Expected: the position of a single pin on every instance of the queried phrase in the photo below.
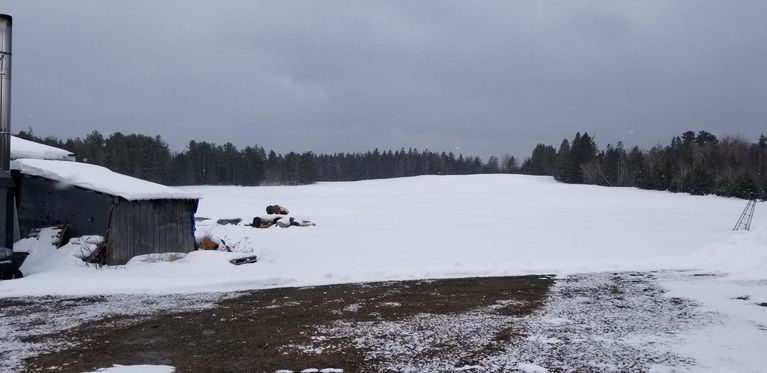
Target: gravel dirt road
(595, 322)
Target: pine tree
(565, 164)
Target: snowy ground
(462, 226)
(597, 322)
(734, 340)
(432, 227)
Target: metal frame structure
(744, 222)
(6, 182)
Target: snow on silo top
(21, 148)
(99, 179)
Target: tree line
(205, 163)
(696, 163)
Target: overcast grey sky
(474, 77)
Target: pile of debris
(217, 236)
(281, 212)
(280, 220)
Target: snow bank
(100, 179)
(743, 255)
(735, 342)
(44, 256)
(21, 148)
(428, 227)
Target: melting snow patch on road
(531, 368)
(607, 322)
(137, 369)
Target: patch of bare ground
(599, 322)
(268, 330)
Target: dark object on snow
(763, 304)
(228, 221)
(292, 222)
(245, 260)
(259, 222)
(10, 262)
(276, 209)
(207, 244)
(744, 222)
(200, 218)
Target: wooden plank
(117, 244)
(138, 226)
(191, 209)
(155, 209)
(168, 220)
(123, 233)
(160, 206)
(111, 233)
(160, 230)
(152, 231)
(147, 231)
(142, 231)
(180, 233)
(135, 219)
(125, 236)
(186, 226)
(129, 240)
(184, 234)
(174, 229)
(130, 217)
(167, 226)
(116, 234)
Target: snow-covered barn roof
(21, 148)
(99, 179)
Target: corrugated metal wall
(153, 226)
(43, 203)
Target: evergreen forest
(694, 162)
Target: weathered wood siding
(153, 226)
(43, 203)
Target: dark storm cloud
(474, 77)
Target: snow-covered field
(431, 227)
(463, 226)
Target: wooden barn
(136, 217)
